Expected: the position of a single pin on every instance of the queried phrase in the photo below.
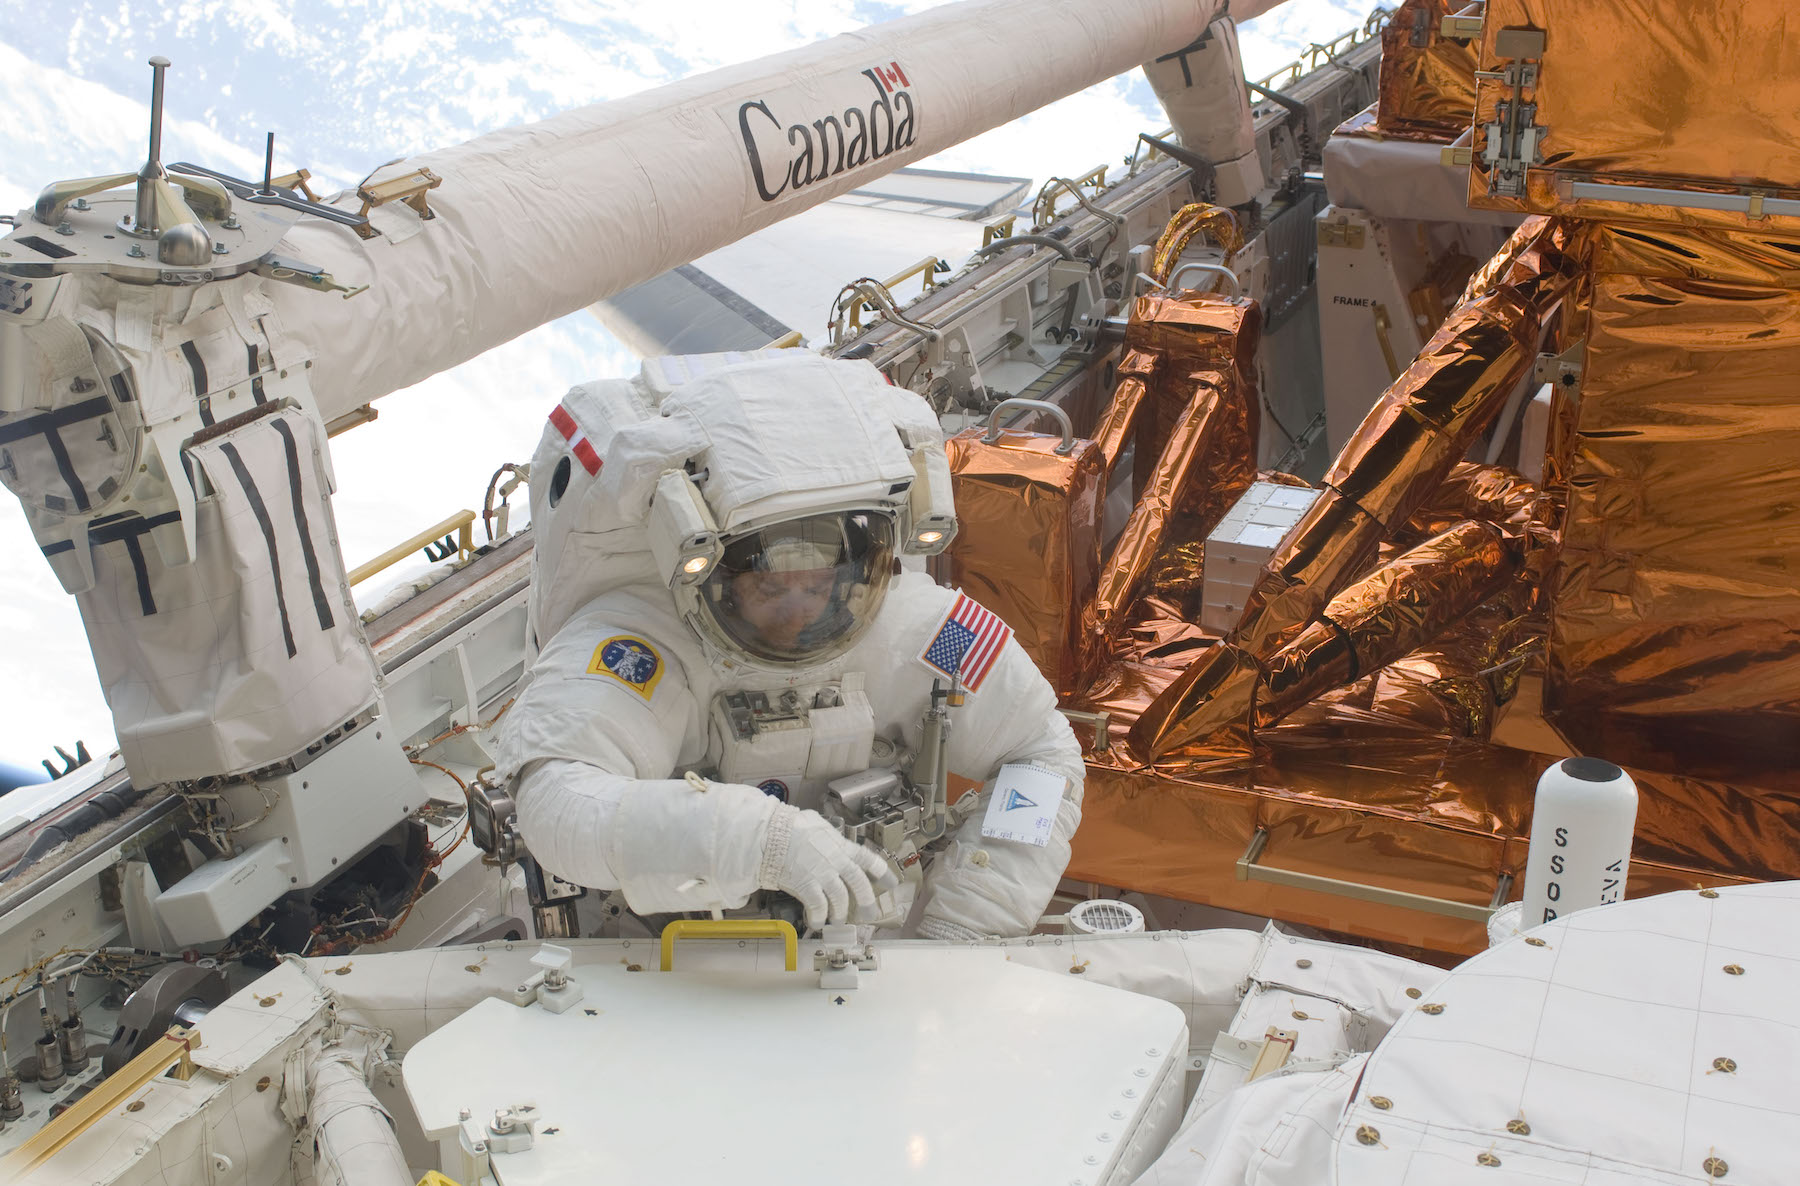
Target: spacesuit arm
(981, 887)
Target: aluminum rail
(534, 222)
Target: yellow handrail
(998, 230)
(465, 543)
(929, 266)
(731, 928)
(169, 1050)
(786, 341)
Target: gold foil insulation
(1183, 459)
(1216, 222)
(1699, 97)
(1028, 543)
(1675, 633)
(1654, 570)
(1427, 84)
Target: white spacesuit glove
(803, 855)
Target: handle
(1249, 870)
(730, 928)
(1068, 430)
(1230, 277)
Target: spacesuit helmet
(800, 591)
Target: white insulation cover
(538, 221)
(1650, 1042)
(251, 652)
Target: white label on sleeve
(1023, 805)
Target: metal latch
(1514, 139)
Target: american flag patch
(967, 643)
(577, 438)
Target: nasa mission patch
(631, 661)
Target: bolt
(463, 1113)
(231, 223)
(1534, 941)
(135, 252)
(262, 1084)
(1414, 993)
(1303, 963)
(1518, 1128)
(1715, 1167)
(1734, 969)
(1380, 1101)
(1432, 1008)
(1368, 1135)
(135, 1106)
(1487, 1159)
(79, 204)
(221, 249)
(1727, 1065)
(1299, 1016)
(1709, 893)
(63, 228)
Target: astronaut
(733, 615)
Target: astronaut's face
(781, 605)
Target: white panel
(1604, 1032)
(931, 1071)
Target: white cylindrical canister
(1581, 828)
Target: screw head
(1299, 1016)
(1734, 969)
(1432, 1007)
(1487, 1159)
(1414, 993)
(1369, 1135)
(135, 1106)
(1727, 1065)
(1518, 1128)
(1303, 963)
(1715, 1167)
(1709, 893)
(1380, 1101)
(1534, 941)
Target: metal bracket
(1562, 371)
(1464, 25)
(1249, 870)
(1341, 232)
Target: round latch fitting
(1487, 1159)
(1715, 1167)
(1369, 1135)
(1431, 1007)
(1414, 993)
(1727, 1065)
(1380, 1101)
(1518, 1128)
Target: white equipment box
(945, 1065)
(1242, 543)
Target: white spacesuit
(728, 629)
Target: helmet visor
(803, 590)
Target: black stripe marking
(306, 545)
(87, 409)
(66, 468)
(197, 365)
(268, 529)
(122, 389)
(146, 600)
(110, 529)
